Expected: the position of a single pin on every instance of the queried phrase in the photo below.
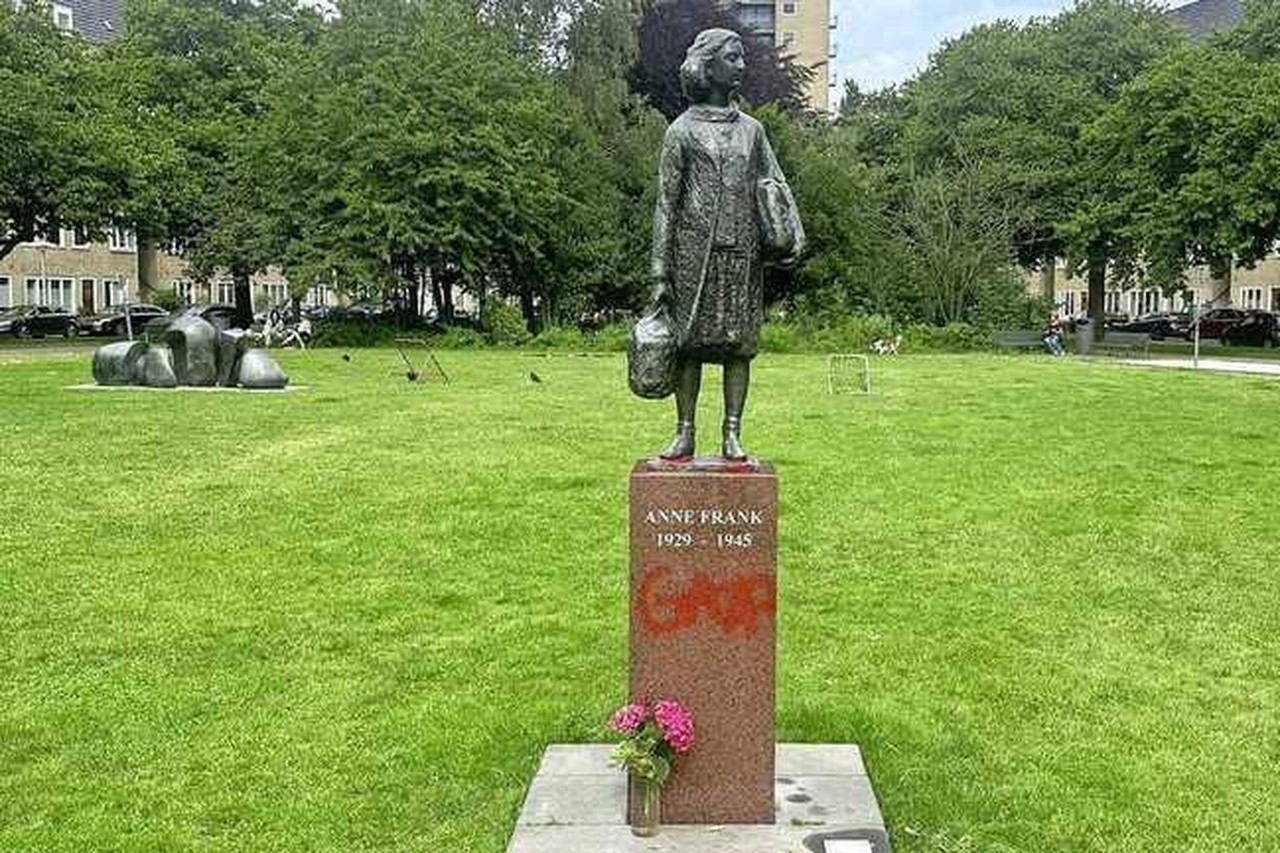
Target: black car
(1258, 329)
(1158, 326)
(25, 321)
(1216, 323)
(112, 320)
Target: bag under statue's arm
(670, 183)
(778, 212)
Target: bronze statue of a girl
(723, 211)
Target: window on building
(1148, 302)
(54, 292)
(275, 293)
(113, 291)
(789, 6)
(1113, 303)
(1068, 303)
(227, 292)
(1275, 299)
(80, 237)
(322, 295)
(788, 39)
(63, 17)
(1251, 298)
(49, 235)
(5, 298)
(186, 291)
(121, 240)
(759, 19)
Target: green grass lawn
(1042, 595)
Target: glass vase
(648, 807)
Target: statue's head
(713, 61)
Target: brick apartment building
(803, 28)
(64, 269)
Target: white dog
(887, 346)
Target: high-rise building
(96, 20)
(803, 28)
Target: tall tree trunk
(1049, 279)
(437, 297)
(148, 268)
(244, 297)
(411, 313)
(526, 309)
(1097, 290)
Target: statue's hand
(660, 297)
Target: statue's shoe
(681, 446)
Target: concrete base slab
(198, 389)
(824, 803)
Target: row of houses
(1249, 289)
(66, 269)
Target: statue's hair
(693, 71)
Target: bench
(1019, 339)
(1124, 343)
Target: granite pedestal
(821, 802)
(703, 602)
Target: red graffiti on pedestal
(669, 604)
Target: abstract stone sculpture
(232, 344)
(259, 370)
(194, 352)
(119, 363)
(193, 341)
(157, 367)
(724, 210)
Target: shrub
(355, 333)
(503, 325)
(956, 337)
(166, 298)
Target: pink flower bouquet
(653, 735)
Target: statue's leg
(690, 381)
(737, 379)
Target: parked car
(25, 321)
(1158, 326)
(1259, 329)
(1110, 321)
(1215, 323)
(112, 320)
(221, 316)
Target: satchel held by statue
(651, 356)
(780, 231)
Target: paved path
(1219, 365)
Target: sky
(886, 41)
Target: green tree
(193, 74)
(413, 145)
(1258, 36)
(1189, 158)
(66, 157)
(1018, 100)
(668, 27)
(601, 47)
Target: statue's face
(727, 66)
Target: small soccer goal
(406, 346)
(848, 374)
